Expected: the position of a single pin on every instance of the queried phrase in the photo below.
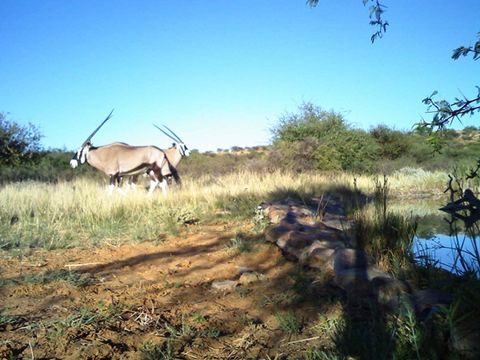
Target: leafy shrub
(311, 121)
(315, 139)
(18, 144)
(392, 143)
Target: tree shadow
(363, 330)
(364, 333)
(336, 199)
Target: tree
(314, 139)
(392, 143)
(310, 121)
(18, 144)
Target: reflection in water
(457, 253)
(447, 238)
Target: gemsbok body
(120, 159)
(174, 154)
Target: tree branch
(376, 16)
(445, 112)
(464, 51)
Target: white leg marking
(153, 185)
(164, 186)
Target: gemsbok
(120, 159)
(174, 154)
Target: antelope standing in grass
(119, 159)
(173, 154)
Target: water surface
(441, 239)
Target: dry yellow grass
(83, 213)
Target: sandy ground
(164, 300)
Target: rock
(353, 280)
(349, 258)
(292, 211)
(290, 218)
(282, 241)
(250, 277)
(334, 208)
(430, 297)
(298, 240)
(224, 285)
(390, 292)
(302, 211)
(352, 271)
(339, 222)
(276, 212)
(320, 254)
(322, 245)
(274, 232)
(358, 280)
(299, 244)
(319, 258)
(427, 300)
(326, 244)
(244, 269)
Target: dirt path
(160, 301)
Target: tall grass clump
(81, 213)
(416, 181)
(386, 236)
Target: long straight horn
(98, 128)
(178, 138)
(170, 136)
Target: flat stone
(335, 208)
(358, 279)
(432, 297)
(338, 222)
(276, 212)
(319, 258)
(224, 285)
(244, 269)
(353, 280)
(274, 232)
(427, 299)
(302, 211)
(250, 278)
(390, 292)
(299, 240)
(282, 241)
(326, 244)
(350, 258)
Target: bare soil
(156, 301)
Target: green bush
(315, 139)
(392, 143)
(18, 144)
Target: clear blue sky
(220, 73)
